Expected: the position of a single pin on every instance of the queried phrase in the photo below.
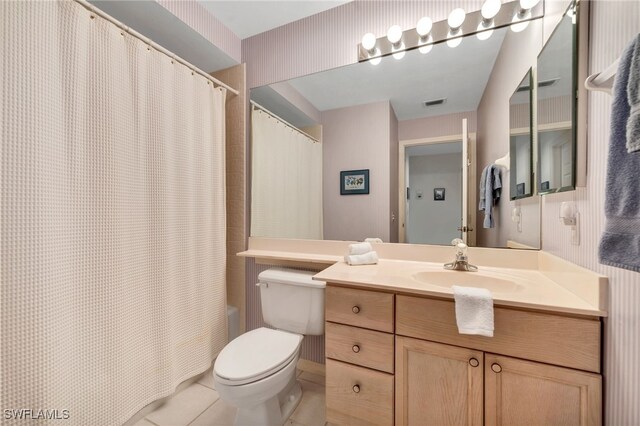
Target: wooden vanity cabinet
(413, 366)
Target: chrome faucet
(461, 263)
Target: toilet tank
(292, 301)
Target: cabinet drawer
(362, 308)
(367, 348)
(553, 339)
(358, 396)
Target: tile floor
(200, 405)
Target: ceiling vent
(435, 102)
(544, 83)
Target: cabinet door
(437, 384)
(523, 393)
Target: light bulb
(490, 9)
(375, 61)
(453, 42)
(483, 31)
(368, 41)
(394, 34)
(425, 49)
(519, 26)
(528, 4)
(456, 18)
(423, 28)
(399, 52)
(520, 21)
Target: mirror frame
(532, 175)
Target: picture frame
(438, 194)
(354, 182)
(520, 189)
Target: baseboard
(311, 367)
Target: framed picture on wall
(354, 182)
(438, 194)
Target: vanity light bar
(508, 14)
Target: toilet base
(275, 411)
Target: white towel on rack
(474, 310)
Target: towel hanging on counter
(620, 243)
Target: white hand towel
(373, 240)
(474, 310)
(370, 258)
(360, 248)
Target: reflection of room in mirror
(367, 113)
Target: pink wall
(613, 24)
(433, 127)
(357, 138)
(197, 17)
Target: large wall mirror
(557, 83)
(396, 150)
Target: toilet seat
(255, 355)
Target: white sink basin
(468, 279)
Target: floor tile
(207, 380)
(144, 422)
(184, 407)
(310, 411)
(219, 414)
(310, 377)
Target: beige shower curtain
(113, 218)
(286, 181)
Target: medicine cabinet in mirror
(521, 140)
(561, 105)
(381, 150)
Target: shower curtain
(286, 181)
(113, 218)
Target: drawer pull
(356, 388)
(496, 368)
(474, 362)
(355, 309)
(356, 348)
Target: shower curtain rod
(156, 46)
(260, 107)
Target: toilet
(256, 372)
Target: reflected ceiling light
(520, 21)
(400, 52)
(369, 43)
(394, 35)
(423, 28)
(428, 45)
(454, 42)
(484, 32)
(375, 61)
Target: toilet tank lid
(291, 277)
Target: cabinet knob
(496, 368)
(356, 348)
(356, 388)
(355, 309)
(474, 362)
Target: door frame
(402, 187)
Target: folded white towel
(360, 248)
(474, 310)
(373, 240)
(370, 258)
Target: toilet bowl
(256, 372)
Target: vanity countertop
(524, 288)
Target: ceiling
(247, 18)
